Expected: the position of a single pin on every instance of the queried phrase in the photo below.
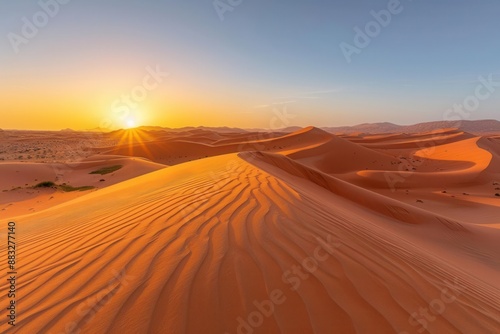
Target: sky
(84, 64)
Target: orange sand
(221, 232)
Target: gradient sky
(265, 60)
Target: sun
(130, 123)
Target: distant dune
(207, 231)
(476, 127)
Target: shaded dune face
(338, 156)
(369, 199)
(289, 233)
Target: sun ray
(132, 140)
(140, 142)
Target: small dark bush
(46, 184)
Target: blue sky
(264, 55)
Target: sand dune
(368, 199)
(174, 151)
(479, 127)
(294, 237)
(339, 155)
(420, 141)
(19, 195)
(461, 162)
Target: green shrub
(63, 187)
(67, 188)
(107, 170)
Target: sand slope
(244, 232)
(193, 248)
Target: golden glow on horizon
(92, 104)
